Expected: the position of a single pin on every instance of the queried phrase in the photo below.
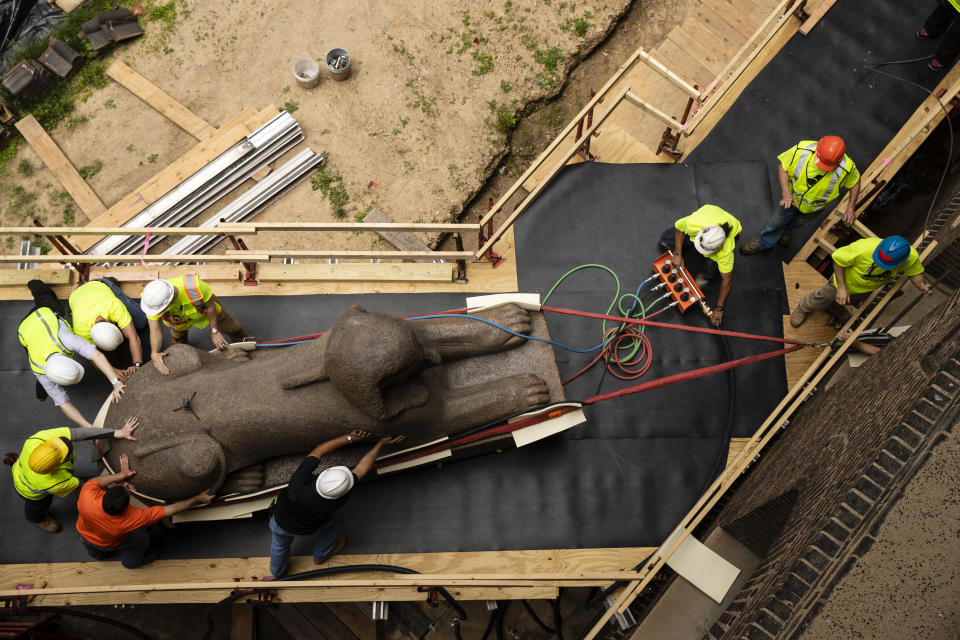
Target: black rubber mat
(819, 85)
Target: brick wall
(828, 471)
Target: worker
(859, 268)
(182, 303)
(943, 22)
(108, 524)
(810, 175)
(310, 505)
(44, 467)
(104, 315)
(713, 233)
(51, 344)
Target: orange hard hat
(830, 150)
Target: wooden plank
(672, 77)
(616, 145)
(92, 257)
(711, 58)
(129, 231)
(60, 166)
(652, 110)
(68, 5)
(207, 272)
(691, 68)
(736, 446)
(168, 178)
(714, 22)
(19, 277)
(159, 100)
(732, 14)
(357, 272)
(816, 15)
(716, 41)
(429, 254)
(379, 223)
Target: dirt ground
(416, 131)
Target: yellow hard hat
(48, 456)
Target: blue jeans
(131, 550)
(37, 510)
(280, 543)
(139, 317)
(783, 218)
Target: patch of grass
(91, 169)
(286, 89)
(152, 158)
(420, 101)
(330, 184)
(291, 105)
(401, 50)
(360, 216)
(484, 63)
(25, 168)
(20, 203)
(9, 152)
(110, 104)
(505, 86)
(503, 117)
(578, 26)
(130, 147)
(64, 202)
(548, 58)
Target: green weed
(25, 168)
(291, 105)
(91, 169)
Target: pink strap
(23, 587)
(146, 245)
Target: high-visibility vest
(38, 333)
(810, 198)
(956, 4)
(186, 308)
(36, 486)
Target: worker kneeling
(859, 268)
(108, 524)
(183, 303)
(104, 315)
(310, 505)
(714, 233)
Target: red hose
(690, 375)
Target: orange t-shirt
(100, 528)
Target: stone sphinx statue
(214, 417)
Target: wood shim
(61, 167)
(816, 15)
(400, 239)
(357, 272)
(159, 100)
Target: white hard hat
(106, 336)
(710, 239)
(156, 297)
(334, 482)
(63, 370)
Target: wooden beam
(159, 100)
(674, 79)
(202, 257)
(60, 166)
(816, 15)
(358, 226)
(350, 255)
(357, 272)
(19, 277)
(652, 110)
(128, 231)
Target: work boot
(49, 524)
(798, 317)
(751, 247)
(785, 238)
(337, 548)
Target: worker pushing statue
(371, 371)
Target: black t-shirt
(300, 509)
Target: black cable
(500, 618)
(208, 616)
(557, 618)
(92, 616)
(456, 630)
(490, 622)
(540, 623)
(873, 66)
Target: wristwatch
(115, 381)
(137, 364)
(214, 330)
(349, 437)
(718, 307)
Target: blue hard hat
(891, 252)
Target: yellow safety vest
(810, 198)
(956, 4)
(36, 486)
(186, 309)
(38, 333)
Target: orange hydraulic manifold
(680, 284)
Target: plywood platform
(800, 279)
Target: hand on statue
(358, 436)
(392, 440)
(843, 297)
(203, 498)
(117, 392)
(125, 469)
(157, 359)
(219, 341)
(129, 371)
(127, 429)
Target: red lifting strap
(690, 375)
(667, 325)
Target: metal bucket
(307, 72)
(338, 63)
